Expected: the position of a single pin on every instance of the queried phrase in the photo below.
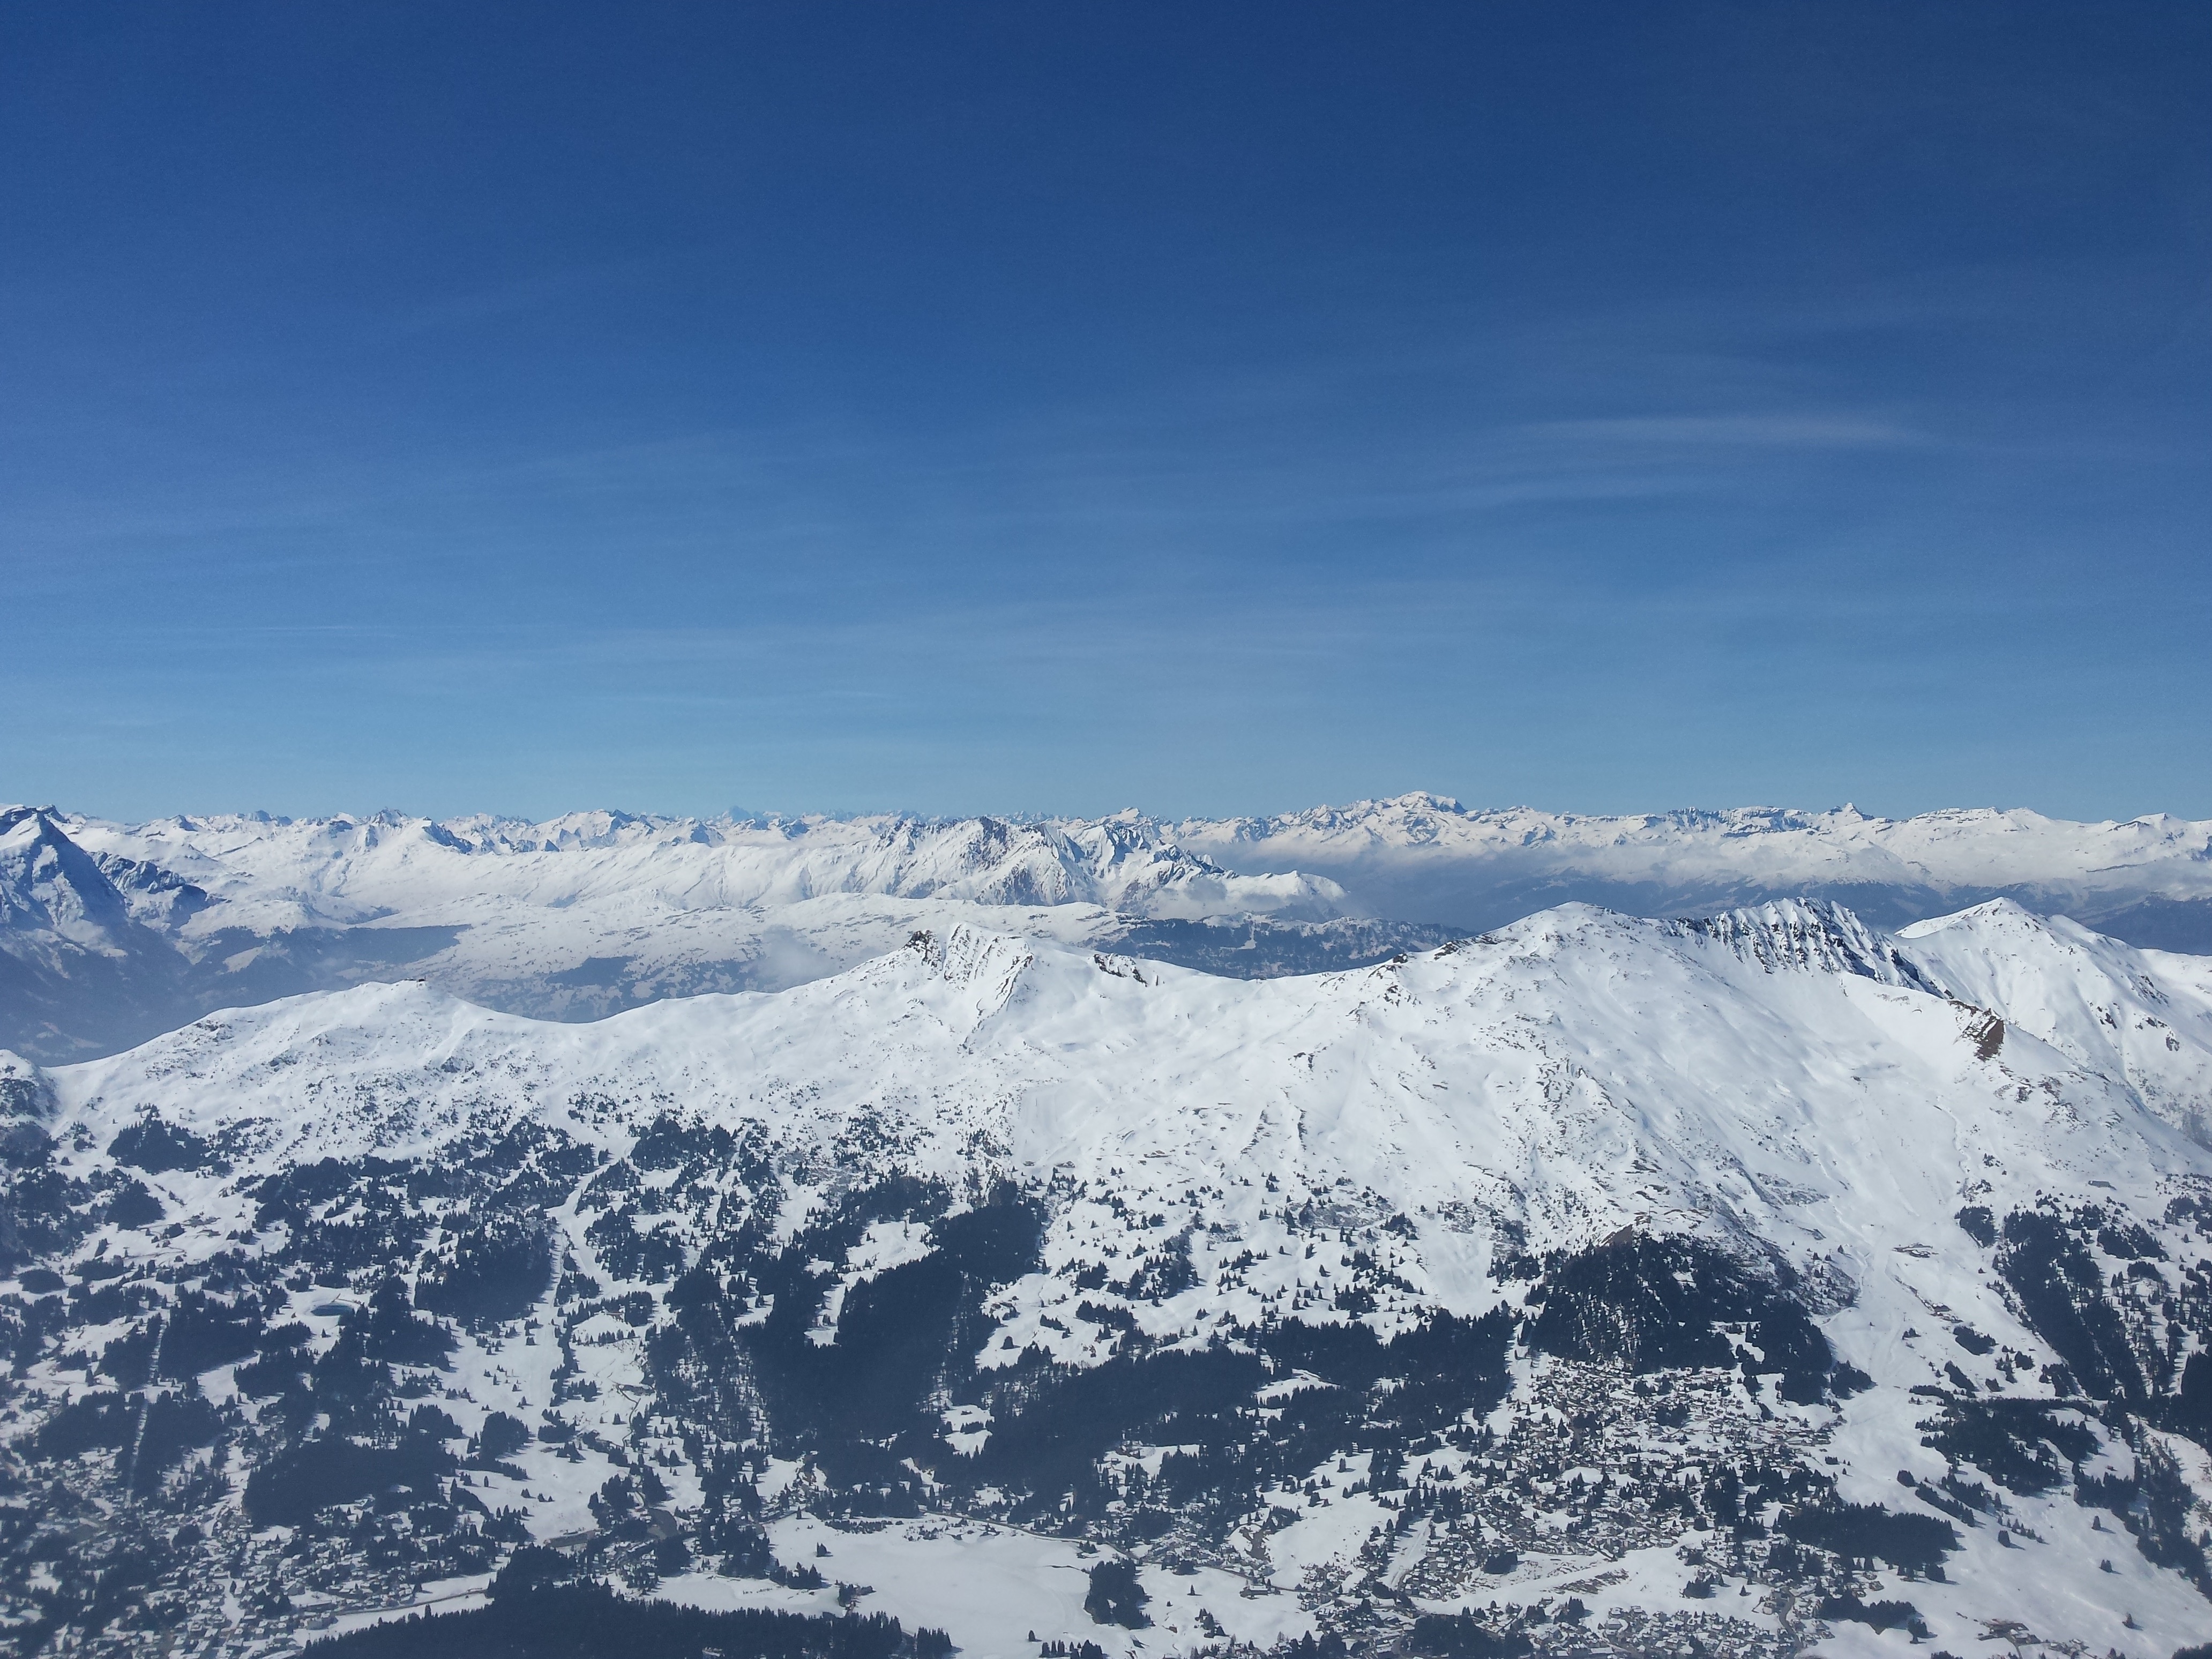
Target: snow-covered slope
(1748, 1220)
(1577, 1073)
(2140, 1015)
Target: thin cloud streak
(1804, 431)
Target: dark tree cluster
(557, 1620)
(1655, 1304)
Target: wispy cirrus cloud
(1803, 431)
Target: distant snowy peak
(1967, 847)
(570, 831)
(344, 870)
(577, 916)
(110, 933)
(1417, 857)
(82, 969)
(49, 889)
(1425, 856)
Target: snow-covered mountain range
(110, 933)
(1768, 1282)
(2147, 880)
(113, 933)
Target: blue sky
(1209, 408)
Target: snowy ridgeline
(1768, 1283)
(109, 934)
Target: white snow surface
(2133, 1014)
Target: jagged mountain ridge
(280, 874)
(1163, 869)
(591, 913)
(1576, 972)
(584, 914)
(1860, 1144)
(2147, 880)
(75, 955)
